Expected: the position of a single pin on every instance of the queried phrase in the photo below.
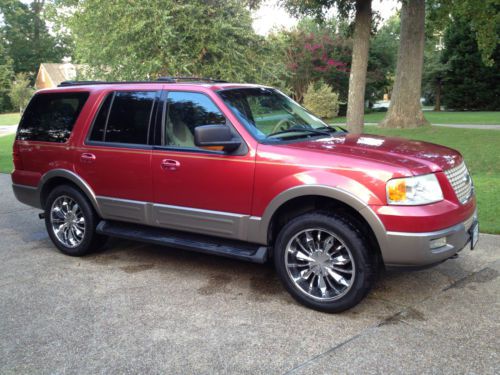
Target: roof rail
(160, 79)
(84, 83)
(196, 79)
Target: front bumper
(405, 249)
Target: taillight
(16, 157)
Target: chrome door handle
(87, 157)
(170, 165)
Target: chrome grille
(461, 182)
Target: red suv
(240, 171)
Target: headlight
(416, 190)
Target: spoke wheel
(324, 261)
(68, 221)
(320, 265)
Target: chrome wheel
(319, 264)
(68, 222)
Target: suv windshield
(270, 115)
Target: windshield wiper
(332, 129)
(299, 130)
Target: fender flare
(74, 178)
(259, 232)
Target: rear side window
(124, 117)
(51, 117)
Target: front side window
(51, 117)
(184, 112)
(124, 117)
(270, 115)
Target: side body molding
(259, 227)
(73, 177)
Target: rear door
(115, 158)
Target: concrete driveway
(144, 309)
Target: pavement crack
(482, 276)
(331, 350)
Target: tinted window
(51, 117)
(100, 120)
(128, 120)
(186, 111)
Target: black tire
(91, 241)
(356, 247)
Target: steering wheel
(283, 124)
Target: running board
(186, 241)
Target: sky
(270, 15)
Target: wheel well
(53, 183)
(301, 205)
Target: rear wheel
(324, 262)
(71, 222)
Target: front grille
(461, 182)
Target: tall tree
(434, 71)
(361, 44)
(483, 17)
(468, 83)
(405, 110)
(6, 77)
(125, 39)
(26, 37)
(359, 66)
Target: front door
(199, 190)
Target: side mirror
(215, 137)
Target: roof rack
(189, 79)
(160, 79)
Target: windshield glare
(269, 114)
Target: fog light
(438, 242)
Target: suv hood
(418, 156)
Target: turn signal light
(396, 190)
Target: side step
(186, 241)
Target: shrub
(321, 100)
(20, 91)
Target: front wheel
(324, 262)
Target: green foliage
(124, 39)
(321, 100)
(382, 60)
(468, 83)
(20, 91)
(26, 37)
(6, 76)
(483, 19)
(311, 53)
(319, 8)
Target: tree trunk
(357, 78)
(437, 97)
(405, 110)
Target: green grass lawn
(9, 118)
(6, 153)
(482, 118)
(479, 147)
